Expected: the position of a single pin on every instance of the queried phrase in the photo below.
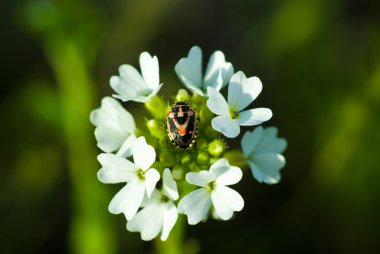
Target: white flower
(217, 75)
(159, 212)
(132, 86)
(262, 150)
(242, 91)
(139, 176)
(115, 127)
(214, 190)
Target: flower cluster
(163, 178)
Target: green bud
(167, 157)
(186, 159)
(178, 173)
(156, 128)
(205, 114)
(202, 144)
(216, 147)
(210, 133)
(203, 159)
(182, 95)
(157, 107)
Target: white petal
(191, 85)
(107, 113)
(129, 85)
(224, 124)
(266, 167)
(217, 64)
(148, 221)
(144, 155)
(270, 143)
(115, 169)
(190, 68)
(109, 139)
(226, 201)
(250, 140)
(154, 199)
(126, 148)
(169, 185)
(195, 205)
(216, 102)
(243, 91)
(227, 175)
(254, 116)
(170, 218)
(110, 132)
(151, 178)
(150, 70)
(201, 178)
(152, 94)
(128, 199)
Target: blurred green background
(319, 62)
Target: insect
(182, 125)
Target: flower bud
(216, 147)
(156, 128)
(186, 159)
(157, 107)
(202, 159)
(182, 95)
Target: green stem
(90, 231)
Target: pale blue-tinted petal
(144, 155)
(254, 116)
(150, 70)
(242, 91)
(126, 148)
(169, 185)
(250, 140)
(115, 169)
(226, 201)
(217, 65)
(224, 124)
(270, 143)
(195, 205)
(201, 178)
(266, 167)
(216, 102)
(190, 67)
(151, 178)
(170, 218)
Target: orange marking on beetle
(181, 131)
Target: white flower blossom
(214, 190)
(115, 127)
(159, 213)
(139, 176)
(262, 150)
(217, 75)
(242, 91)
(133, 86)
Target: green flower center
(164, 199)
(212, 185)
(234, 114)
(141, 174)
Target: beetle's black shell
(182, 125)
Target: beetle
(182, 125)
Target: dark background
(319, 62)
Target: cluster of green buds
(164, 179)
